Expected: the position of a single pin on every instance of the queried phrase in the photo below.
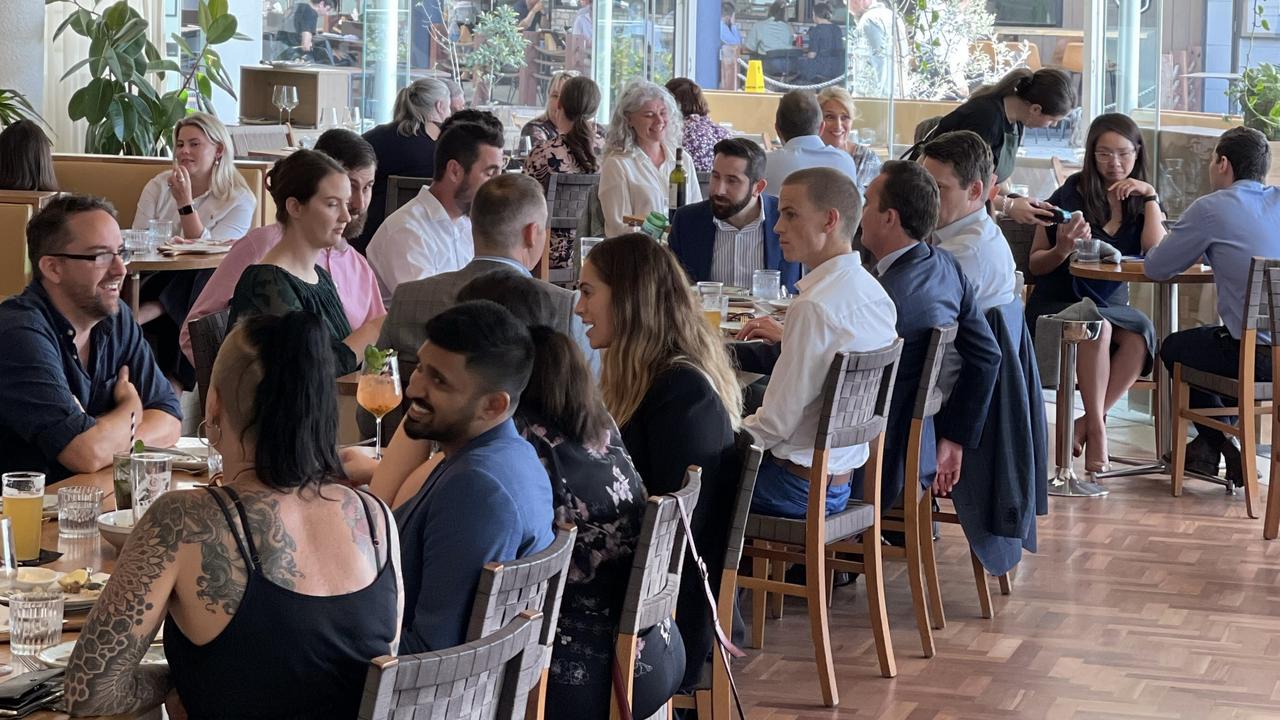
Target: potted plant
(14, 106)
(499, 45)
(1258, 92)
(125, 112)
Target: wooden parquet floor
(1138, 605)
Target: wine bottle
(678, 182)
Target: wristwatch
(186, 210)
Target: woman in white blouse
(640, 152)
(206, 199)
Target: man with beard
(357, 286)
(731, 235)
(488, 500)
(431, 233)
(77, 379)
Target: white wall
(23, 23)
(236, 53)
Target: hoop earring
(200, 433)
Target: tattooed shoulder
(276, 547)
(353, 513)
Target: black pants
(1211, 349)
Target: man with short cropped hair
(489, 500)
(1229, 226)
(431, 233)
(840, 308)
(797, 121)
(356, 283)
(77, 380)
(508, 231)
(730, 235)
(960, 163)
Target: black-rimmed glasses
(102, 259)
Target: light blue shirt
(730, 34)
(1230, 227)
(806, 151)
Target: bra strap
(244, 523)
(231, 524)
(373, 529)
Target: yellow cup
(755, 77)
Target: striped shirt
(738, 253)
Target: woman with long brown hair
(1121, 208)
(28, 158)
(668, 381)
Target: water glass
(122, 479)
(160, 232)
(331, 117)
(137, 242)
(1087, 250)
(78, 509)
(24, 506)
(584, 247)
(766, 284)
(151, 475)
(35, 620)
(354, 120)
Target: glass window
(1047, 13)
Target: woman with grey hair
(405, 146)
(640, 152)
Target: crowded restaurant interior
(480, 359)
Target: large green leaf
(116, 16)
(204, 85)
(115, 119)
(222, 29)
(82, 22)
(97, 62)
(163, 66)
(203, 15)
(132, 30)
(117, 67)
(90, 102)
(74, 68)
(182, 44)
(217, 8)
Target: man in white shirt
(431, 233)
(798, 120)
(840, 308)
(960, 162)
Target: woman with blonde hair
(668, 381)
(552, 122)
(205, 198)
(640, 152)
(838, 114)
(406, 146)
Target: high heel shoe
(1078, 433)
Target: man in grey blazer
(508, 227)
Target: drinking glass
(159, 232)
(525, 147)
(766, 284)
(584, 247)
(122, 479)
(78, 510)
(867, 136)
(8, 569)
(1087, 250)
(23, 505)
(715, 304)
(35, 621)
(137, 242)
(151, 475)
(354, 120)
(378, 391)
(331, 118)
(285, 98)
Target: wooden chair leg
(759, 599)
(778, 571)
(1271, 526)
(536, 709)
(705, 707)
(625, 652)
(1006, 583)
(915, 571)
(929, 560)
(1181, 399)
(1249, 457)
(873, 569)
(984, 592)
(815, 572)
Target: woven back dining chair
(568, 199)
(484, 679)
(207, 334)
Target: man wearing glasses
(76, 376)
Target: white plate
(72, 602)
(779, 305)
(58, 655)
(189, 454)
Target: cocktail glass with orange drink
(378, 390)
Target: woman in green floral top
(311, 191)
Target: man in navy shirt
(489, 500)
(75, 372)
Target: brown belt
(802, 471)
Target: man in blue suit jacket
(489, 500)
(929, 290)
(730, 235)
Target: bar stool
(1065, 482)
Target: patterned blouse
(868, 164)
(539, 130)
(552, 157)
(700, 138)
(595, 488)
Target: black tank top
(285, 654)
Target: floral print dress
(596, 488)
(699, 141)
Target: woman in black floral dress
(575, 152)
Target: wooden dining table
(93, 552)
(156, 263)
(1164, 315)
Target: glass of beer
(714, 303)
(23, 504)
(379, 392)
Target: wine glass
(285, 98)
(378, 391)
(354, 123)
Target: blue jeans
(784, 494)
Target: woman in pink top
(357, 285)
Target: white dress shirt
(806, 151)
(417, 241)
(840, 308)
(223, 218)
(630, 184)
(738, 253)
(982, 251)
